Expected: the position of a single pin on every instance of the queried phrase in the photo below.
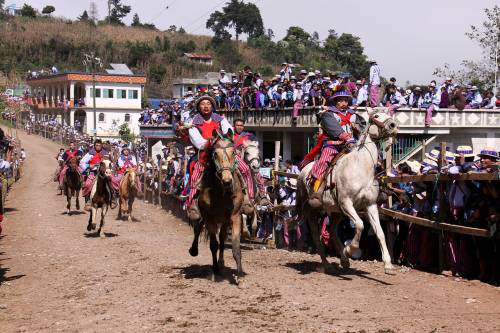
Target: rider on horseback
(89, 165)
(336, 125)
(239, 138)
(65, 157)
(201, 131)
(125, 161)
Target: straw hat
(415, 166)
(149, 166)
(433, 155)
(489, 152)
(464, 150)
(428, 163)
(292, 183)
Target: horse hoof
(345, 263)
(347, 252)
(193, 252)
(102, 234)
(89, 227)
(93, 226)
(390, 270)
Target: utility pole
(91, 62)
(110, 3)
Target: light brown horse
(128, 193)
(100, 197)
(220, 200)
(72, 183)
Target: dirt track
(54, 278)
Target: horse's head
(131, 172)
(73, 163)
(381, 126)
(105, 168)
(252, 154)
(224, 158)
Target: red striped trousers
(327, 156)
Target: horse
(356, 188)
(72, 183)
(220, 200)
(100, 196)
(128, 193)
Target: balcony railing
(47, 103)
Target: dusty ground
(141, 278)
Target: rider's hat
(205, 97)
(341, 93)
(125, 147)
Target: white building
(181, 86)
(69, 97)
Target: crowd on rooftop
(296, 89)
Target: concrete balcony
(410, 120)
(49, 104)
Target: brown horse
(72, 183)
(128, 192)
(220, 201)
(100, 196)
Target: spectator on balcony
(278, 100)
(392, 99)
(315, 97)
(374, 83)
(457, 99)
(431, 102)
(475, 98)
(285, 72)
(445, 98)
(362, 94)
(223, 78)
(298, 96)
(489, 100)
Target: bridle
(218, 167)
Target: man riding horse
(201, 132)
(89, 164)
(336, 123)
(125, 161)
(239, 138)
(65, 157)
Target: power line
(164, 10)
(202, 16)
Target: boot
(316, 199)
(247, 206)
(262, 199)
(193, 212)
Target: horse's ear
(370, 111)
(230, 134)
(214, 134)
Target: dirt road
(54, 278)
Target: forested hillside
(34, 42)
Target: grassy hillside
(32, 44)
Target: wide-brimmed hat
(125, 147)
(303, 71)
(149, 165)
(341, 93)
(205, 97)
(359, 82)
(415, 166)
(292, 183)
(464, 150)
(450, 157)
(428, 163)
(432, 84)
(473, 88)
(433, 155)
(418, 89)
(488, 152)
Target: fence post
(159, 183)
(443, 210)
(277, 148)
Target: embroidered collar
(198, 119)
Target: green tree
(84, 17)
(181, 30)
(118, 12)
(48, 10)
(172, 28)
(136, 22)
(28, 11)
(125, 133)
(237, 15)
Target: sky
(409, 39)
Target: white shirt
(4, 165)
(362, 95)
(375, 75)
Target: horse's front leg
(77, 198)
(235, 240)
(101, 232)
(350, 212)
(222, 241)
(214, 247)
(130, 203)
(68, 199)
(344, 259)
(373, 218)
(89, 225)
(197, 227)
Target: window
(101, 116)
(121, 93)
(97, 92)
(133, 94)
(127, 117)
(108, 93)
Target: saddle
(330, 179)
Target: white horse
(356, 188)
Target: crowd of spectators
(296, 89)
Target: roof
(82, 76)
(119, 69)
(198, 56)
